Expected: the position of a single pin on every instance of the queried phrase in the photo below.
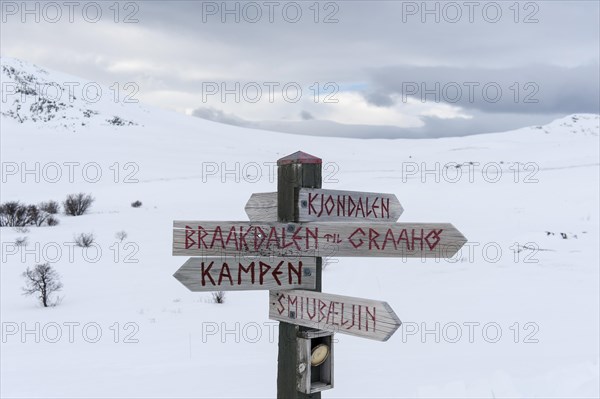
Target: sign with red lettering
(252, 273)
(329, 205)
(342, 314)
(336, 205)
(410, 240)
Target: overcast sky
(349, 68)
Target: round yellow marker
(319, 354)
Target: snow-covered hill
(31, 94)
(527, 200)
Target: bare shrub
(21, 241)
(42, 281)
(52, 221)
(84, 240)
(51, 207)
(77, 204)
(121, 235)
(14, 213)
(218, 297)
(136, 204)
(36, 216)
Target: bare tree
(43, 281)
(77, 204)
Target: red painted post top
(299, 157)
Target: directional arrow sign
(328, 205)
(354, 316)
(262, 207)
(414, 240)
(337, 206)
(237, 274)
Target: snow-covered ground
(513, 189)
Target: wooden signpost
(354, 316)
(262, 207)
(238, 274)
(281, 250)
(329, 205)
(413, 240)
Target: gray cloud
(433, 127)
(216, 115)
(305, 115)
(536, 89)
(380, 98)
(374, 45)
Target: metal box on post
(315, 361)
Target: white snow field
(498, 320)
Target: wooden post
(298, 170)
